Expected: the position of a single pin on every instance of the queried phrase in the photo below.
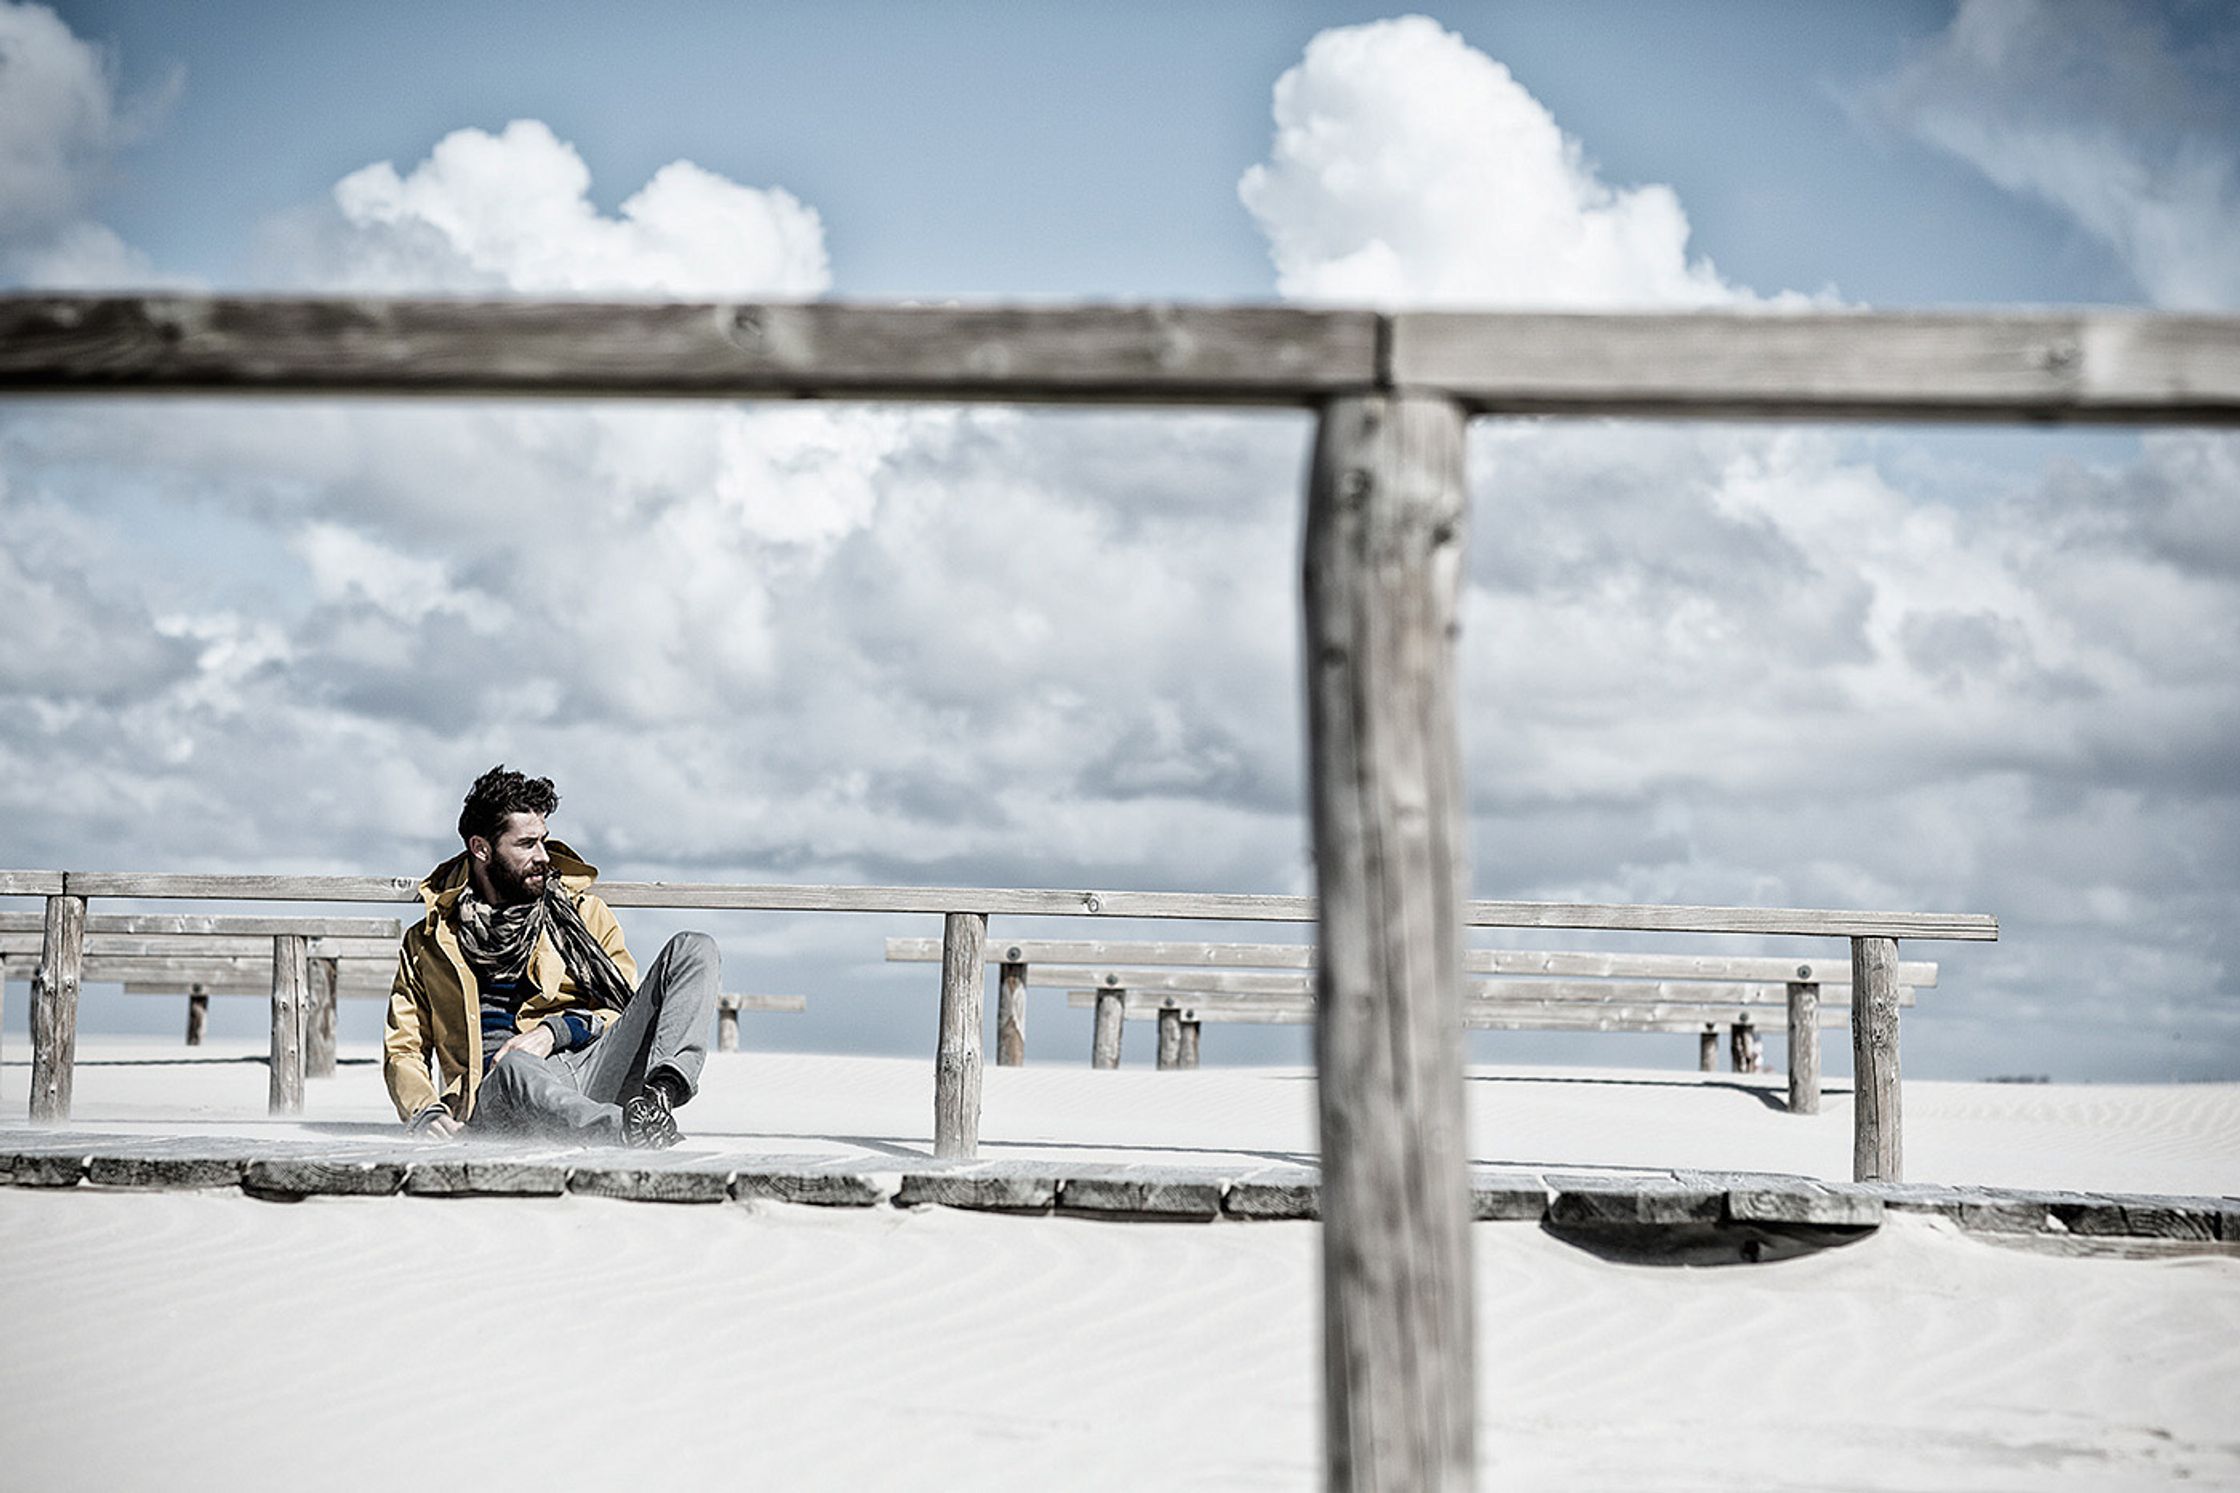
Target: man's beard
(513, 888)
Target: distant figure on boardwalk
(518, 982)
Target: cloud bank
(986, 646)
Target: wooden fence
(1385, 513)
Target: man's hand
(442, 1127)
(537, 1042)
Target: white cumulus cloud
(1409, 168)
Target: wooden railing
(1386, 502)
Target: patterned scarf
(500, 942)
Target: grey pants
(579, 1095)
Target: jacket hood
(439, 889)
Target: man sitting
(518, 982)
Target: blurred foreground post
(1382, 567)
(198, 1014)
(54, 1007)
(1875, 1155)
(956, 1062)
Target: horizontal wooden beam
(1301, 986)
(31, 884)
(1031, 951)
(1203, 906)
(2106, 367)
(2092, 366)
(1488, 1016)
(196, 946)
(193, 925)
(1250, 355)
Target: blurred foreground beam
(2118, 367)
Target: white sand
(210, 1340)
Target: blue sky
(1047, 149)
(1964, 670)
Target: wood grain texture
(54, 1008)
(1254, 355)
(284, 1094)
(1186, 1055)
(1877, 1154)
(1011, 1015)
(1804, 1047)
(192, 945)
(2097, 367)
(956, 1071)
(1381, 567)
(319, 1017)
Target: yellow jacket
(435, 1004)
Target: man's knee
(693, 950)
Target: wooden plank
(1478, 1015)
(191, 946)
(54, 1009)
(1719, 993)
(1201, 906)
(198, 1015)
(1114, 952)
(727, 1023)
(318, 1016)
(284, 1094)
(1804, 1047)
(212, 969)
(2110, 367)
(235, 887)
(1876, 1151)
(1707, 1050)
(172, 924)
(1187, 1057)
(1011, 1015)
(30, 883)
(956, 1073)
(1251, 355)
(1385, 504)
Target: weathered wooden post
(1112, 1021)
(1189, 1055)
(1170, 1036)
(198, 1014)
(1876, 1152)
(1804, 1045)
(54, 1007)
(1707, 1048)
(727, 1023)
(319, 1018)
(956, 1068)
(1744, 1051)
(1011, 1014)
(1382, 567)
(285, 1093)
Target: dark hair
(498, 793)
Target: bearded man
(517, 983)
